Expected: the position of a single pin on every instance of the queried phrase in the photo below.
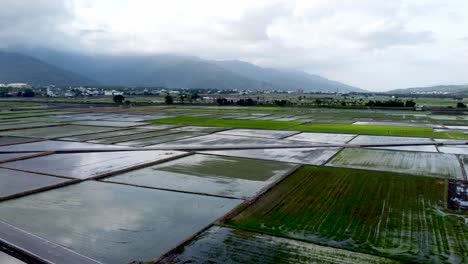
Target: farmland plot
(454, 149)
(328, 138)
(364, 139)
(207, 174)
(86, 165)
(103, 135)
(12, 182)
(26, 125)
(199, 129)
(7, 259)
(57, 131)
(369, 140)
(275, 134)
(392, 215)
(113, 223)
(226, 245)
(158, 127)
(109, 123)
(134, 136)
(418, 163)
(312, 156)
(15, 140)
(160, 139)
(400, 124)
(458, 196)
(13, 156)
(223, 140)
(55, 145)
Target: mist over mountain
(285, 79)
(177, 71)
(16, 67)
(451, 89)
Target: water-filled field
(418, 163)
(114, 223)
(87, 165)
(312, 156)
(223, 176)
(226, 245)
(112, 185)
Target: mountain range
(43, 66)
(451, 89)
(16, 68)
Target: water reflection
(114, 223)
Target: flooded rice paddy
(114, 223)
(106, 192)
(87, 165)
(223, 176)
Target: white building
(18, 85)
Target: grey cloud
(37, 22)
(253, 25)
(394, 35)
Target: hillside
(451, 89)
(284, 79)
(186, 72)
(15, 67)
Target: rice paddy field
(355, 209)
(202, 184)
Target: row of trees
(6, 92)
(391, 103)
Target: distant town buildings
(18, 85)
(112, 92)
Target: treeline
(391, 103)
(251, 102)
(8, 92)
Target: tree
(168, 99)
(28, 93)
(410, 103)
(182, 98)
(222, 101)
(318, 101)
(281, 102)
(461, 105)
(118, 99)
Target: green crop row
(393, 215)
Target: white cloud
(374, 44)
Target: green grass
(378, 130)
(393, 215)
(4, 104)
(231, 123)
(323, 128)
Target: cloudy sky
(373, 44)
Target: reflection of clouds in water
(208, 174)
(7, 259)
(314, 156)
(114, 223)
(83, 165)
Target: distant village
(13, 89)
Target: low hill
(439, 89)
(15, 67)
(286, 79)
